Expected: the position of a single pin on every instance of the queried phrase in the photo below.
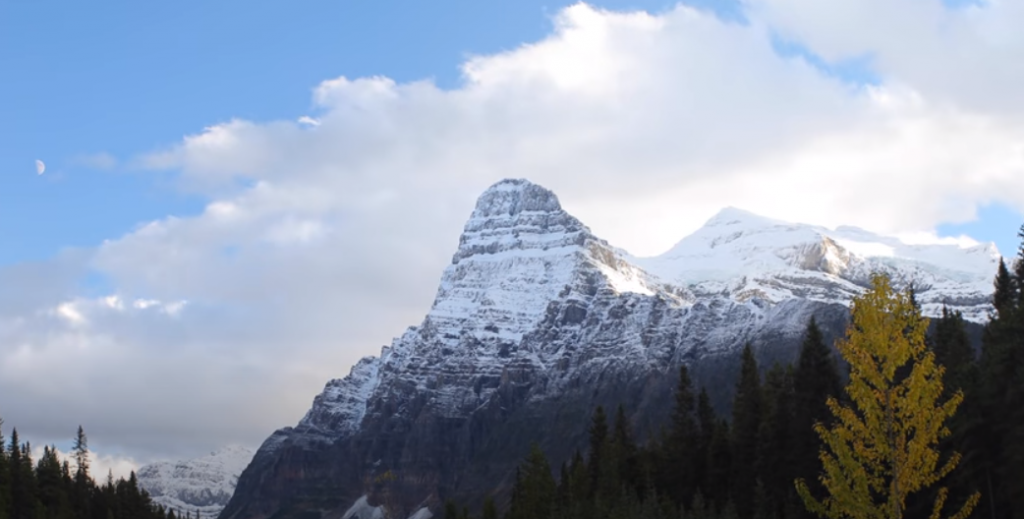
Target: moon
(40, 167)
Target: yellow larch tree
(884, 445)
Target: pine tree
(1004, 297)
(52, 490)
(5, 478)
(82, 481)
(1018, 269)
(623, 469)
(720, 459)
(706, 421)
(537, 489)
(815, 380)
(775, 465)
(746, 420)
(451, 510)
(999, 431)
(490, 509)
(682, 444)
(598, 446)
(953, 350)
(883, 448)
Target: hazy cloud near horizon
(323, 241)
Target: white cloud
(100, 465)
(322, 241)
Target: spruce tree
(598, 447)
(1000, 388)
(490, 509)
(775, 465)
(537, 488)
(706, 421)
(720, 461)
(746, 421)
(1004, 297)
(5, 478)
(624, 467)
(815, 380)
(953, 349)
(82, 481)
(882, 447)
(682, 444)
(451, 510)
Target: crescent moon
(40, 167)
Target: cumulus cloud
(323, 240)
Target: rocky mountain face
(202, 485)
(537, 321)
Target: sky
(242, 198)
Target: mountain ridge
(204, 484)
(536, 320)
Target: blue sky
(123, 78)
(126, 77)
(175, 159)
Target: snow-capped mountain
(536, 320)
(746, 256)
(202, 485)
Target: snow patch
(362, 510)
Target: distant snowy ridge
(202, 485)
(745, 255)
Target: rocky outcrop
(536, 321)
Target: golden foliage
(884, 446)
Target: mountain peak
(511, 197)
(736, 216)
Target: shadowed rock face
(536, 322)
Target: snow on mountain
(203, 485)
(520, 251)
(534, 307)
(746, 255)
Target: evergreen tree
(1018, 269)
(598, 446)
(775, 466)
(720, 459)
(815, 380)
(1004, 298)
(5, 478)
(536, 488)
(746, 420)
(1000, 429)
(490, 509)
(623, 467)
(706, 420)
(682, 444)
(82, 481)
(883, 447)
(52, 490)
(451, 510)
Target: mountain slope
(537, 320)
(201, 485)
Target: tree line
(54, 489)
(914, 425)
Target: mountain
(536, 321)
(201, 485)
